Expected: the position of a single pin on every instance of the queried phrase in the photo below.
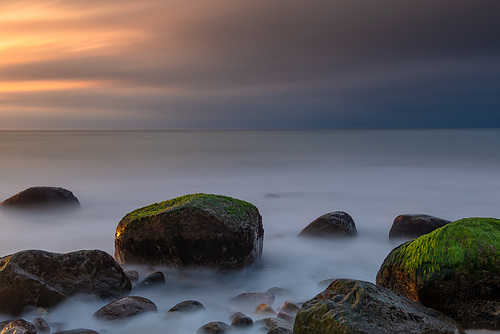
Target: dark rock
(192, 231)
(188, 306)
(413, 226)
(242, 321)
(214, 327)
(125, 308)
(286, 316)
(264, 309)
(271, 196)
(77, 331)
(42, 198)
(44, 279)
(132, 275)
(333, 224)
(454, 269)
(19, 326)
(254, 298)
(155, 279)
(350, 306)
(4, 323)
(41, 325)
(275, 326)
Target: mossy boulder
(454, 269)
(197, 230)
(356, 307)
(43, 279)
(333, 224)
(42, 198)
(413, 226)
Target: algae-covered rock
(190, 231)
(333, 224)
(454, 269)
(413, 226)
(44, 279)
(42, 198)
(356, 307)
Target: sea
(292, 177)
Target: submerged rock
(274, 326)
(187, 306)
(41, 325)
(44, 279)
(454, 269)
(242, 321)
(254, 298)
(413, 226)
(155, 279)
(40, 198)
(333, 224)
(19, 326)
(351, 306)
(125, 308)
(191, 231)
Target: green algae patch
(223, 206)
(467, 245)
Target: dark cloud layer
(257, 64)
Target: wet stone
(214, 327)
(242, 321)
(188, 306)
(19, 326)
(154, 280)
(124, 308)
(264, 310)
(41, 325)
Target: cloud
(226, 64)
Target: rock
(351, 306)
(192, 231)
(19, 326)
(77, 331)
(188, 306)
(41, 325)
(454, 269)
(285, 316)
(125, 308)
(254, 298)
(36, 198)
(214, 327)
(333, 224)
(242, 321)
(290, 308)
(264, 309)
(413, 226)
(275, 326)
(43, 279)
(155, 279)
(132, 275)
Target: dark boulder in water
(253, 299)
(413, 226)
(333, 224)
(454, 269)
(351, 306)
(125, 308)
(43, 279)
(214, 327)
(196, 230)
(274, 326)
(187, 306)
(153, 280)
(42, 198)
(19, 326)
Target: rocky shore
(444, 280)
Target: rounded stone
(35, 198)
(454, 269)
(413, 226)
(125, 308)
(196, 230)
(333, 224)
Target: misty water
(372, 175)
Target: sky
(231, 64)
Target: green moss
(223, 206)
(467, 245)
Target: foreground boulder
(191, 231)
(333, 224)
(455, 269)
(413, 226)
(351, 306)
(40, 198)
(44, 279)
